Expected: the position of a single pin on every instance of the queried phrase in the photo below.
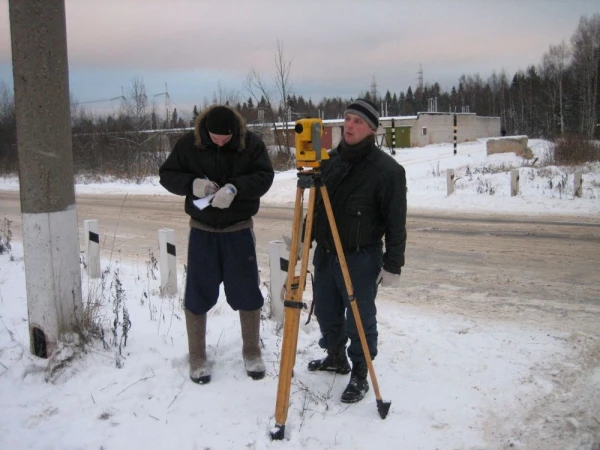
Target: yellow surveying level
(308, 136)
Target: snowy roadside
(454, 381)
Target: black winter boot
(358, 385)
(334, 362)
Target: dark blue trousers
(332, 306)
(228, 258)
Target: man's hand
(203, 187)
(224, 196)
(388, 280)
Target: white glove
(224, 196)
(387, 279)
(203, 187)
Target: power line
(120, 97)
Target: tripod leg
(382, 407)
(293, 307)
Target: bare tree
(136, 106)
(494, 91)
(224, 96)
(74, 105)
(8, 131)
(586, 62)
(134, 142)
(282, 81)
(258, 89)
(7, 101)
(554, 68)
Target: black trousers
(228, 258)
(332, 306)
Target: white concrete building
(432, 128)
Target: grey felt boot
(196, 331)
(250, 323)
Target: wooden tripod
(311, 179)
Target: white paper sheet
(203, 202)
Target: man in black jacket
(222, 169)
(367, 189)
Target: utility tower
(374, 95)
(420, 77)
(167, 105)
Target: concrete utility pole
(51, 248)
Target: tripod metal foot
(383, 408)
(278, 432)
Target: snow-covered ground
(453, 380)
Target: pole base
(278, 432)
(383, 408)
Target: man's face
(356, 129)
(220, 139)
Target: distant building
(424, 129)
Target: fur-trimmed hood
(201, 132)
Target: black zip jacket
(243, 162)
(368, 199)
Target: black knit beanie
(221, 120)
(365, 109)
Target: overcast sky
(335, 47)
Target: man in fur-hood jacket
(223, 170)
(367, 189)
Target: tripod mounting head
(308, 138)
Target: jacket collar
(357, 152)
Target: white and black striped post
(578, 184)
(393, 133)
(168, 261)
(514, 182)
(450, 181)
(278, 262)
(92, 247)
(455, 132)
